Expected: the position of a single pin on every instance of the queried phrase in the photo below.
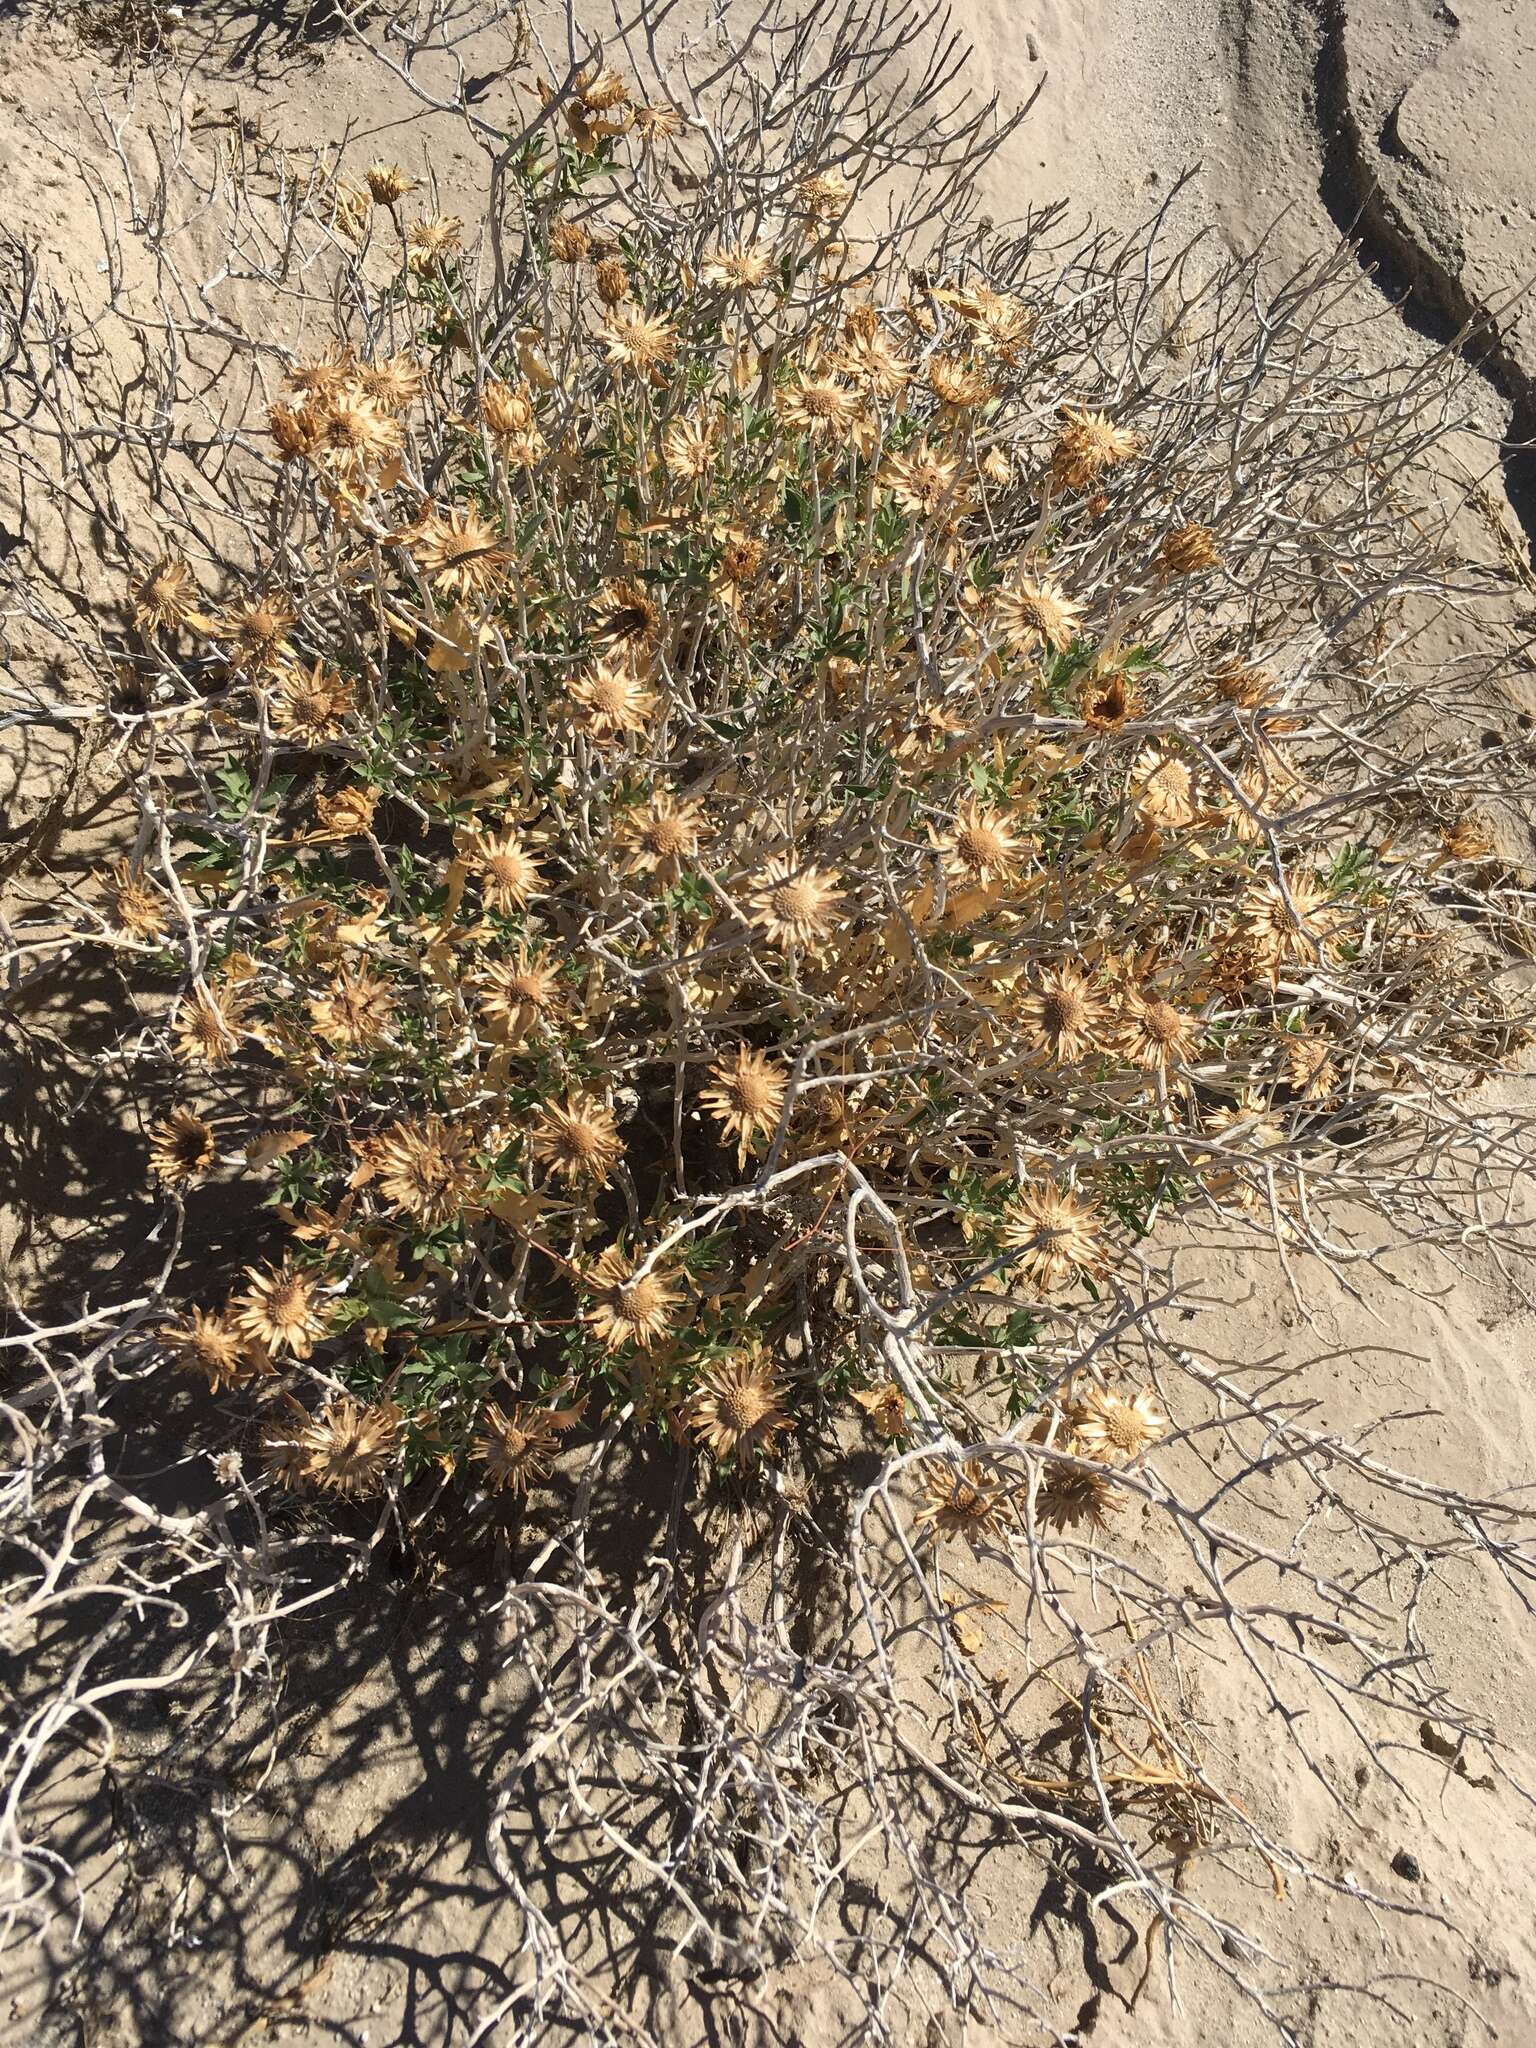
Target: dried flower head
(345, 814)
(517, 1450)
(967, 1500)
(569, 242)
(1088, 444)
(747, 1097)
(795, 906)
(461, 551)
(1187, 550)
(279, 1311)
(519, 994)
(819, 407)
(979, 847)
(425, 1168)
(957, 383)
(611, 699)
(350, 1447)
(662, 837)
(167, 599)
(1163, 790)
(1035, 611)
(354, 1012)
(388, 183)
(579, 1142)
(256, 633)
(825, 195)
(312, 705)
(637, 340)
(627, 1306)
(1156, 1035)
(737, 1409)
(429, 243)
(1110, 700)
(207, 1031)
(1115, 1430)
(1075, 1496)
(136, 905)
(181, 1147)
(688, 447)
(207, 1343)
(738, 267)
(509, 875)
(1058, 1234)
(1063, 1015)
(923, 482)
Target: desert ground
(320, 1872)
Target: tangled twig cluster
(743, 793)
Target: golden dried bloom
(1156, 1035)
(603, 92)
(1113, 1430)
(656, 124)
(819, 407)
(298, 431)
(612, 281)
(509, 875)
(1467, 839)
(966, 1501)
(393, 382)
(349, 208)
(354, 1012)
(1238, 682)
(954, 382)
(135, 905)
(1063, 1014)
(357, 435)
(279, 1311)
(979, 848)
(518, 994)
(180, 1148)
(1164, 790)
(349, 1448)
(748, 1095)
(638, 341)
(872, 363)
(1309, 1067)
(1246, 1125)
(740, 560)
(886, 1407)
(795, 906)
(1110, 701)
(825, 195)
(461, 551)
(626, 613)
(1073, 1496)
(257, 632)
(324, 377)
(1032, 612)
(1297, 921)
(1187, 550)
(208, 1344)
(206, 1032)
(388, 183)
(569, 242)
(1057, 1233)
(662, 837)
(739, 268)
(425, 1168)
(579, 1142)
(430, 241)
(737, 1409)
(168, 598)
(312, 704)
(924, 482)
(506, 412)
(610, 699)
(517, 1450)
(626, 1309)
(348, 814)
(688, 447)
(1088, 444)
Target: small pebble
(1406, 1864)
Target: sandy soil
(343, 1895)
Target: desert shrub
(749, 794)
